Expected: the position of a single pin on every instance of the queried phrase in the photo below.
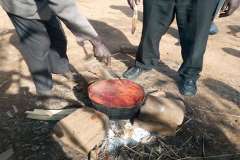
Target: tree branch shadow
(232, 51)
(223, 90)
(234, 30)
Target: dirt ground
(212, 125)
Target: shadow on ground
(128, 12)
(233, 52)
(118, 38)
(234, 30)
(30, 139)
(223, 90)
(200, 136)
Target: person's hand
(100, 50)
(131, 3)
(229, 7)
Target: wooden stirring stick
(135, 17)
(109, 65)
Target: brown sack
(162, 114)
(82, 130)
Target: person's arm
(78, 24)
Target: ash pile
(122, 134)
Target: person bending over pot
(43, 42)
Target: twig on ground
(217, 113)
(214, 156)
(170, 149)
(183, 125)
(9, 114)
(15, 108)
(203, 147)
(160, 156)
(7, 154)
(150, 154)
(186, 142)
(132, 150)
(3, 83)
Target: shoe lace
(189, 82)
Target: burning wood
(121, 134)
(7, 154)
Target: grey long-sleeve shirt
(66, 10)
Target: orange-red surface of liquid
(116, 93)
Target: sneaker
(133, 72)
(213, 29)
(188, 87)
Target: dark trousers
(43, 46)
(193, 19)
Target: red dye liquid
(116, 93)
